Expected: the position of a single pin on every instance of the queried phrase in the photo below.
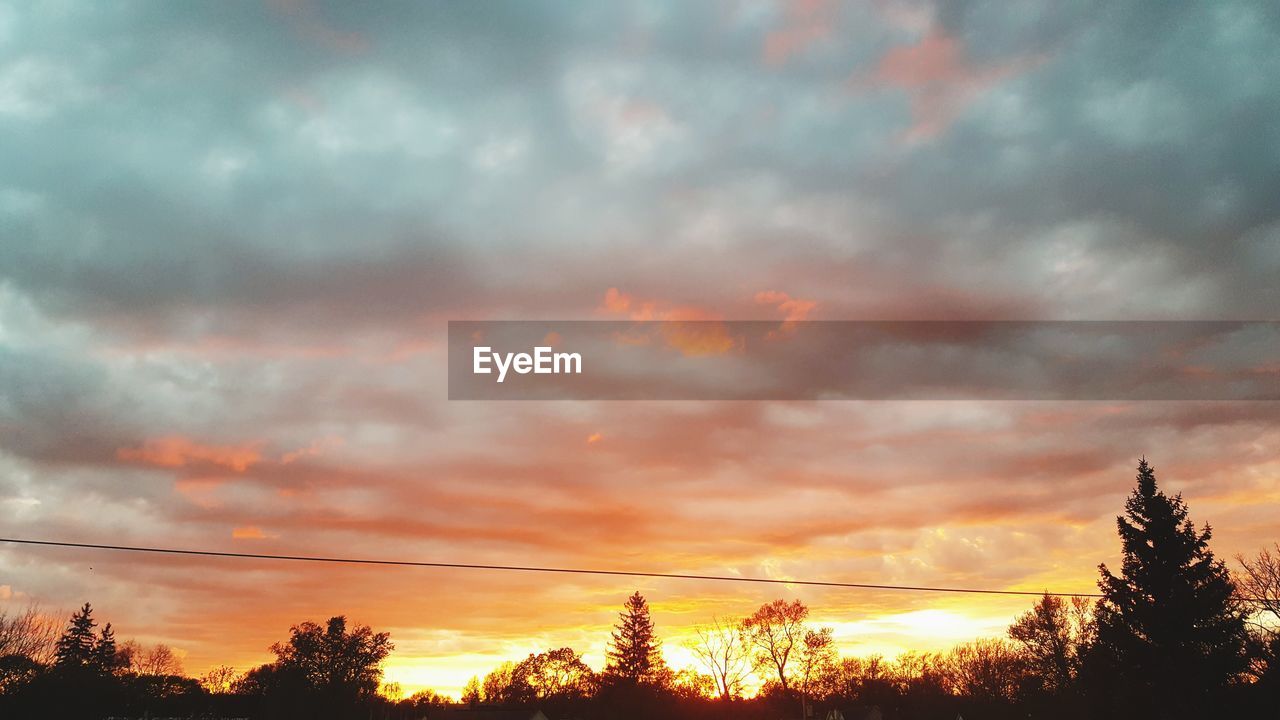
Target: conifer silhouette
(634, 653)
(76, 646)
(1168, 626)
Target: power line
(539, 569)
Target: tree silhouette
(776, 632)
(219, 680)
(30, 634)
(159, 660)
(634, 655)
(472, 694)
(105, 657)
(721, 648)
(817, 658)
(1054, 635)
(1260, 585)
(871, 681)
(326, 671)
(499, 684)
(334, 659)
(75, 648)
(987, 669)
(1168, 626)
(1259, 588)
(557, 675)
(17, 671)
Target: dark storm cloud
(58, 409)
(204, 165)
(195, 176)
(1152, 120)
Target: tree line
(1175, 634)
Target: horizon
(939, 622)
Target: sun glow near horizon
(889, 636)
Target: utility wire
(538, 569)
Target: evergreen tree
(76, 646)
(1168, 628)
(104, 650)
(634, 655)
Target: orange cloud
(179, 451)
(807, 22)
(248, 532)
(793, 309)
(315, 448)
(593, 438)
(692, 330)
(696, 339)
(940, 80)
(616, 301)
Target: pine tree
(634, 655)
(104, 651)
(1168, 626)
(76, 646)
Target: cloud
(307, 21)
(792, 309)
(693, 331)
(312, 450)
(177, 451)
(807, 21)
(939, 79)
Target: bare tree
(687, 684)
(427, 699)
(775, 632)
(721, 647)
(925, 673)
(159, 660)
(31, 634)
(129, 655)
(870, 680)
(817, 657)
(1259, 587)
(985, 669)
(219, 680)
(1053, 636)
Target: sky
(232, 234)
